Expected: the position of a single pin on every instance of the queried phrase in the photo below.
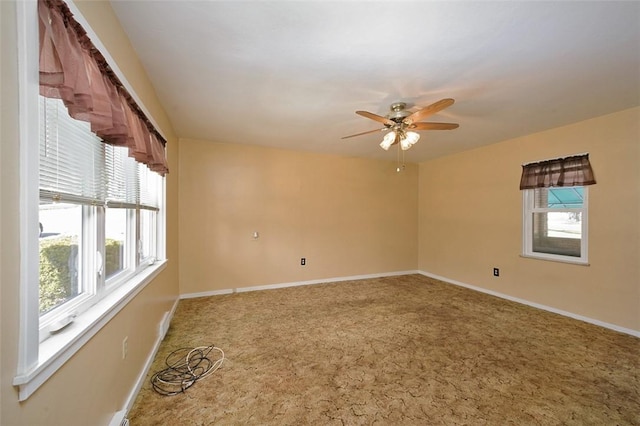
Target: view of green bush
(58, 280)
(113, 256)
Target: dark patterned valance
(72, 69)
(569, 171)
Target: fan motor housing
(398, 112)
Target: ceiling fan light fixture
(400, 120)
(388, 140)
(409, 140)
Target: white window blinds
(77, 167)
(122, 182)
(71, 157)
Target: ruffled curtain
(569, 171)
(72, 69)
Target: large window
(555, 223)
(92, 218)
(97, 216)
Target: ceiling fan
(401, 123)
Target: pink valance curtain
(569, 171)
(72, 69)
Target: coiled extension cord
(185, 366)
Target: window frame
(528, 209)
(118, 183)
(39, 360)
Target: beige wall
(346, 216)
(471, 217)
(94, 384)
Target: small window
(555, 223)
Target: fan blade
(365, 133)
(429, 110)
(376, 117)
(434, 126)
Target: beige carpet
(404, 350)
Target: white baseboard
(295, 284)
(614, 327)
(119, 418)
(206, 293)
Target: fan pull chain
(400, 168)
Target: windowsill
(555, 259)
(60, 347)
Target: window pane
(60, 253)
(150, 186)
(560, 198)
(147, 234)
(115, 241)
(557, 233)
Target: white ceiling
(291, 74)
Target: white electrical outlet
(125, 347)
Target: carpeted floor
(405, 350)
